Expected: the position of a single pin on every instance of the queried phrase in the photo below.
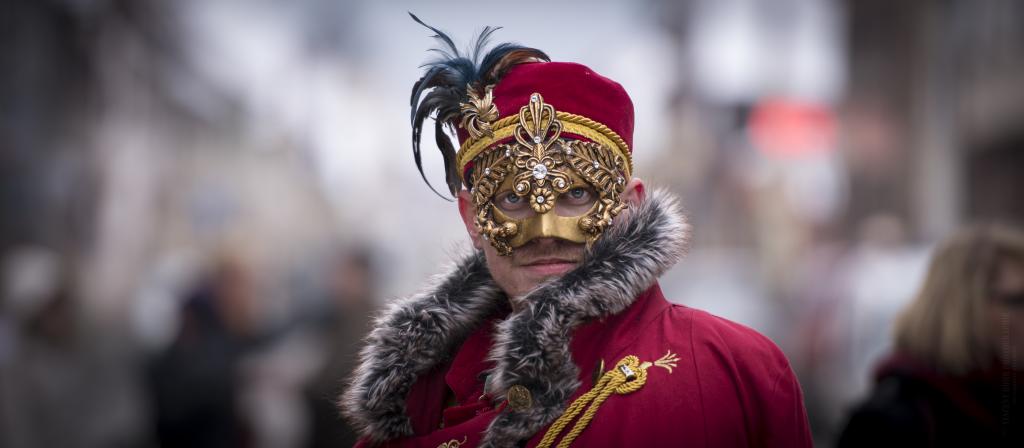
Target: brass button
(519, 398)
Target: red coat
(689, 378)
(732, 387)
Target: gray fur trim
(409, 338)
(531, 346)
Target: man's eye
(510, 202)
(578, 196)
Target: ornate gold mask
(543, 185)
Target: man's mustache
(552, 249)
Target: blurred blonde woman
(955, 377)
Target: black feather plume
(442, 89)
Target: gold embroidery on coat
(628, 376)
(453, 443)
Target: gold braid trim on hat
(571, 123)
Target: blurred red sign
(788, 128)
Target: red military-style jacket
(707, 382)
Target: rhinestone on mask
(540, 171)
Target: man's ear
(468, 213)
(634, 193)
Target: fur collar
(531, 346)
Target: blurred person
(196, 381)
(849, 296)
(275, 372)
(555, 330)
(63, 382)
(351, 295)
(954, 376)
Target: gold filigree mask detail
(540, 167)
(479, 113)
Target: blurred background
(202, 201)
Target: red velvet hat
(600, 103)
(480, 96)
(569, 87)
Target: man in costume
(555, 332)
